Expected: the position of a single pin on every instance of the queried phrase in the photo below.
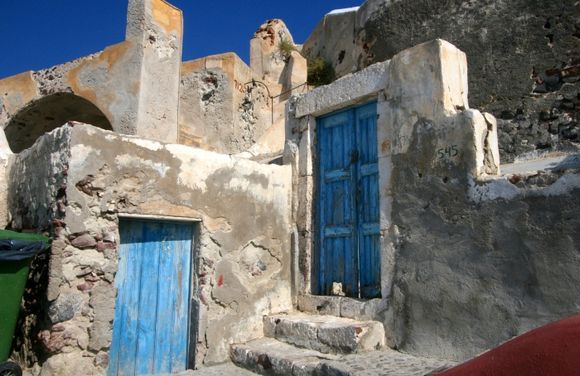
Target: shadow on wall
(45, 114)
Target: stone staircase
(301, 344)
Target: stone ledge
(346, 91)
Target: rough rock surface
(266, 58)
(65, 307)
(524, 64)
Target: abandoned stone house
(203, 210)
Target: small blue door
(151, 326)
(348, 202)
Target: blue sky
(37, 34)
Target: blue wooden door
(151, 326)
(348, 202)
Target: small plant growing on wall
(285, 47)
(320, 72)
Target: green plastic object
(13, 277)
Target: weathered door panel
(368, 201)
(348, 216)
(337, 208)
(151, 326)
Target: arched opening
(48, 113)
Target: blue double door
(151, 329)
(348, 251)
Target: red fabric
(553, 350)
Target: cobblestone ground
(377, 363)
(227, 369)
(383, 363)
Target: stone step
(268, 356)
(326, 334)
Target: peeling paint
(167, 16)
(84, 152)
(564, 185)
(131, 161)
(17, 91)
(493, 189)
(148, 144)
(192, 174)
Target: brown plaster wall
(15, 91)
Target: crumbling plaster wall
(523, 58)
(155, 27)
(90, 77)
(135, 83)
(140, 87)
(230, 107)
(469, 258)
(93, 176)
(220, 109)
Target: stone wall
(523, 58)
(85, 178)
(469, 257)
(35, 196)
